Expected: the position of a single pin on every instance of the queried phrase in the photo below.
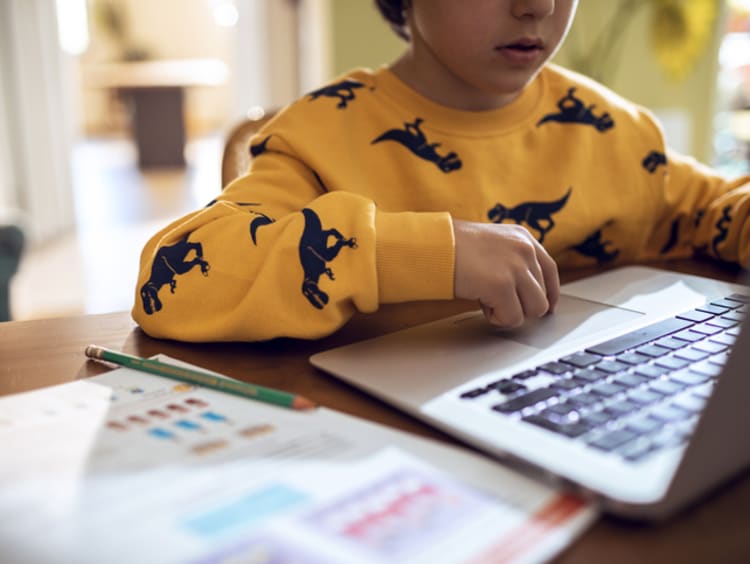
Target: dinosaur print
(257, 223)
(315, 253)
(536, 215)
(722, 227)
(673, 237)
(259, 148)
(594, 247)
(413, 138)
(572, 110)
(168, 263)
(653, 160)
(343, 90)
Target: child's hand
(506, 269)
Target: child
(468, 168)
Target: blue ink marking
(189, 425)
(212, 416)
(253, 507)
(161, 433)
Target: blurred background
(113, 113)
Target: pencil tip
(303, 403)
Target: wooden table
(39, 353)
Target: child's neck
(441, 86)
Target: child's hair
(393, 12)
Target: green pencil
(200, 378)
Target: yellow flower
(680, 30)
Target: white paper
(130, 467)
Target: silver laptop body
(485, 387)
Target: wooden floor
(93, 268)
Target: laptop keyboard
(632, 395)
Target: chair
(235, 158)
(11, 247)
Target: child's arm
(704, 214)
(507, 270)
(278, 256)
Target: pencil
(201, 378)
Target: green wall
(360, 38)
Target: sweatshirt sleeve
(704, 214)
(277, 255)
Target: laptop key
(709, 346)
(689, 336)
(672, 363)
(688, 378)
(723, 323)
(571, 430)
(644, 397)
(706, 368)
(475, 393)
(581, 359)
(652, 351)
(644, 425)
(525, 375)
(711, 308)
(666, 387)
(611, 366)
(584, 400)
(695, 315)
(636, 449)
(633, 358)
(670, 343)
(693, 354)
(507, 387)
(526, 400)
(650, 371)
(555, 367)
(629, 380)
(607, 389)
(728, 303)
(668, 413)
(620, 408)
(639, 337)
(613, 439)
(589, 375)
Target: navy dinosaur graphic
(413, 138)
(573, 110)
(259, 148)
(653, 160)
(343, 90)
(257, 223)
(722, 227)
(315, 253)
(594, 247)
(673, 237)
(537, 215)
(168, 263)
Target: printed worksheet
(130, 467)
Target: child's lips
(522, 50)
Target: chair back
(235, 159)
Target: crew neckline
(516, 114)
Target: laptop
(634, 392)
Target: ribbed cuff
(415, 256)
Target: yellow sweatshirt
(350, 194)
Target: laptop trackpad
(574, 318)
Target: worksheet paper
(129, 467)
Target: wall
(360, 37)
(686, 106)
